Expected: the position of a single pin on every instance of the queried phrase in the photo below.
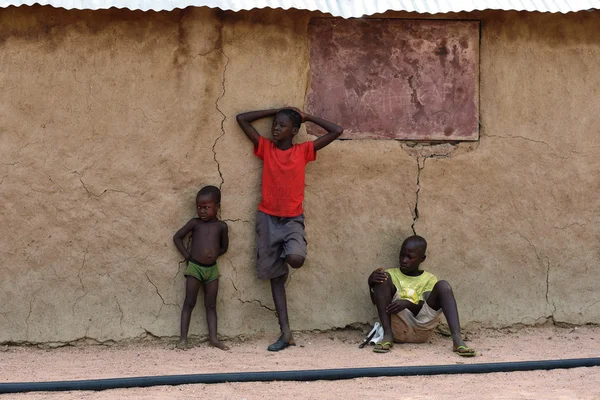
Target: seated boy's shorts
(276, 238)
(203, 272)
(408, 328)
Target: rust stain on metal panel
(396, 79)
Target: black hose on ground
(302, 375)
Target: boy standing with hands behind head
(280, 219)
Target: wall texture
(112, 120)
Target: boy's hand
(395, 307)
(302, 114)
(378, 276)
(401, 304)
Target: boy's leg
(382, 296)
(211, 289)
(279, 298)
(294, 242)
(442, 297)
(192, 286)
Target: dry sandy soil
(336, 349)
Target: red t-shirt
(283, 177)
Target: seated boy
(410, 301)
(210, 239)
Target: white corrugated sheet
(338, 8)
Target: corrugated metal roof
(338, 8)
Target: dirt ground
(338, 349)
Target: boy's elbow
(339, 132)
(239, 118)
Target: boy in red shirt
(280, 219)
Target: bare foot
(182, 345)
(218, 344)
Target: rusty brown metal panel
(395, 79)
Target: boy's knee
(189, 303)
(385, 285)
(294, 260)
(210, 306)
(443, 287)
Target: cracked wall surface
(112, 120)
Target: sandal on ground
(280, 344)
(383, 347)
(465, 351)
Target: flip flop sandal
(466, 351)
(383, 347)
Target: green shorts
(203, 272)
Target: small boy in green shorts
(411, 301)
(210, 239)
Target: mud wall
(110, 121)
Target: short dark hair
(293, 115)
(212, 191)
(417, 240)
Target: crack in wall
(179, 265)
(556, 153)
(258, 302)
(222, 120)
(8, 90)
(85, 187)
(547, 264)
(85, 292)
(250, 301)
(548, 288)
(121, 311)
(182, 263)
(420, 167)
(158, 293)
(290, 276)
(105, 191)
(89, 95)
(581, 225)
(143, 113)
(33, 296)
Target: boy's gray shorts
(277, 237)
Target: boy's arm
(180, 234)
(224, 239)
(334, 131)
(245, 121)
